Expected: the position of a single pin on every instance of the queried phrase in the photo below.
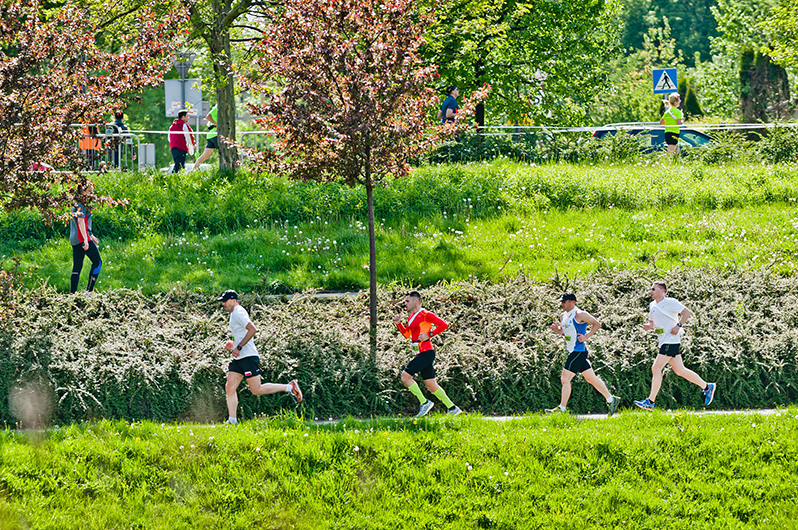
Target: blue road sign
(665, 80)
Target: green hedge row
(121, 355)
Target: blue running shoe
(646, 404)
(709, 393)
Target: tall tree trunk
(225, 97)
(372, 265)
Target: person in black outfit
(82, 240)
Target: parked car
(654, 138)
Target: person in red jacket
(181, 141)
(419, 330)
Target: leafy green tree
(544, 60)
(764, 87)
(692, 24)
(631, 97)
(782, 30)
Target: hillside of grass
(253, 232)
(123, 355)
(636, 471)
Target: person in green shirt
(671, 120)
(211, 141)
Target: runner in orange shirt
(419, 330)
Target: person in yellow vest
(672, 119)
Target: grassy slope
(258, 233)
(636, 471)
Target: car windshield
(692, 138)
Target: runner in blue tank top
(573, 326)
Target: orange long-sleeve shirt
(422, 322)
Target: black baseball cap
(567, 296)
(228, 295)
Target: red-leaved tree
(53, 75)
(344, 88)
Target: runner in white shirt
(667, 317)
(245, 363)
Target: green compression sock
(416, 391)
(441, 394)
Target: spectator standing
(118, 139)
(90, 145)
(82, 240)
(181, 141)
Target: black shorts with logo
(671, 350)
(672, 138)
(422, 363)
(212, 143)
(246, 366)
(577, 362)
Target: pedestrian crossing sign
(665, 81)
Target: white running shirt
(239, 318)
(665, 316)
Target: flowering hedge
(122, 355)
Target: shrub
(779, 145)
(121, 355)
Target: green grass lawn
(334, 254)
(261, 233)
(636, 471)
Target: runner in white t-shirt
(245, 363)
(667, 317)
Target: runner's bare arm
(556, 327)
(585, 317)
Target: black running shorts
(577, 362)
(671, 350)
(246, 366)
(672, 138)
(422, 363)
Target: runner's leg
(680, 370)
(591, 377)
(565, 379)
(656, 372)
(233, 380)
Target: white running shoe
(425, 408)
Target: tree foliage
(345, 89)
(692, 24)
(782, 29)
(52, 75)
(544, 60)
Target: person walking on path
(181, 141)
(449, 108)
(667, 316)
(82, 239)
(419, 330)
(245, 363)
(672, 119)
(573, 326)
(211, 141)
